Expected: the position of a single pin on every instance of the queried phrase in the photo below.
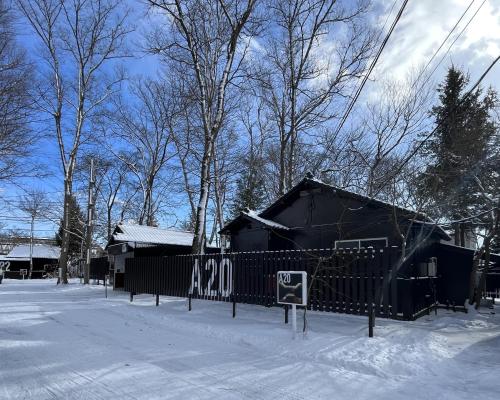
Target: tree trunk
(201, 209)
(482, 281)
(282, 171)
(456, 236)
(63, 260)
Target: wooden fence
(346, 281)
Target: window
(375, 243)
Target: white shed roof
(39, 251)
(152, 235)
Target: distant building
(45, 258)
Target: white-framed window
(358, 243)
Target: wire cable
(454, 41)
(370, 69)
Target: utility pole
(31, 244)
(90, 222)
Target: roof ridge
(156, 227)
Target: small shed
(131, 241)
(45, 259)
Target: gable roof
(310, 181)
(39, 251)
(266, 214)
(252, 215)
(152, 235)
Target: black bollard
(234, 306)
(371, 321)
(189, 298)
(157, 300)
(131, 297)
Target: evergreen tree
(250, 190)
(458, 148)
(77, 229)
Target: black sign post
(292, 290)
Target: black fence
(346, 281)
(99, 268)
(493, 284)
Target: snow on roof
(152, 235)
(39, 251)
(253, 214)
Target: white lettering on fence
(4, 266)
(219, 275)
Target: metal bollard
(234, 306)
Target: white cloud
(425, 24)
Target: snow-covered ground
(72, 343)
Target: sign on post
(292, 290)
(292, 287)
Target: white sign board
(292, 287)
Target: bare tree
(15, 102)
(319, 49)
(390, 124)
(111, 177)
(34, 203)
(78, 39)
(204, 39)
(144, 126)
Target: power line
(446, 38)
(370, 69)
(365, 78)
(428, 136)
(344, 118)
(454, 41)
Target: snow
(152, 235)
(252, 214)
(69, 342)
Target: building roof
(39, 251)
(309, 180)
(151, 235)
(253, 215)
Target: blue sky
(423, 26)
